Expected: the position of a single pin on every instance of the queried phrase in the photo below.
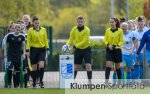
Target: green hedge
(98, 54)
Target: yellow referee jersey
(37, 39)
(114, 38)
(80, 39)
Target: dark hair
(79, 17)
(117, 22)
(140, 19)
(20, 21)
(29, 25)
(11, 24)
(122, 20)
(35, 18)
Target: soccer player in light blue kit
(128, 49)
(139, 32)
(132, 27)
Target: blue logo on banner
(66, 70)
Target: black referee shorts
(37, 54)
(81, 54)
(114, 55)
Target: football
(66, 49)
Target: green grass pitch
(77, 91)
(32, 91)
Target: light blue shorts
(140, 59)
(128, 60)
(134, 56)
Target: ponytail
(117, 22)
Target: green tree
(97, 17)
(61, 14)
(67, 19)
(69, 3)
(135, 8)
(121, 7)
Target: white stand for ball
(66, 69)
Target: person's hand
(28, 54)
(137, 56)
(117, 47)
(48, 52)
(5, 55)
(110, 47)
(131, 53)
(23, 55)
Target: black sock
(25, 79)
(9, 76)
(119, 73)
(37, 74)
(75, 74)
(14, 79)
(17, 78)
(41, 72)
(28, 74)
(107, 72)
(89, 74)
(33, 74)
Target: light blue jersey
(139, 36)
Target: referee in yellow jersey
(37, 46)
(113, 40)
(79, 35)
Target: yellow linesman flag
(29, 64)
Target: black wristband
(74, 47)
(107, 44)
(47, 49)
(27, 50)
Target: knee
(41, 64)
(88, 67)
(118, 66)
(76, 67)
(34, 67)
(128, 69)
(109, 64)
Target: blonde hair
(17, 26)
(131, 21)
(26, 16)
(124, 23)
